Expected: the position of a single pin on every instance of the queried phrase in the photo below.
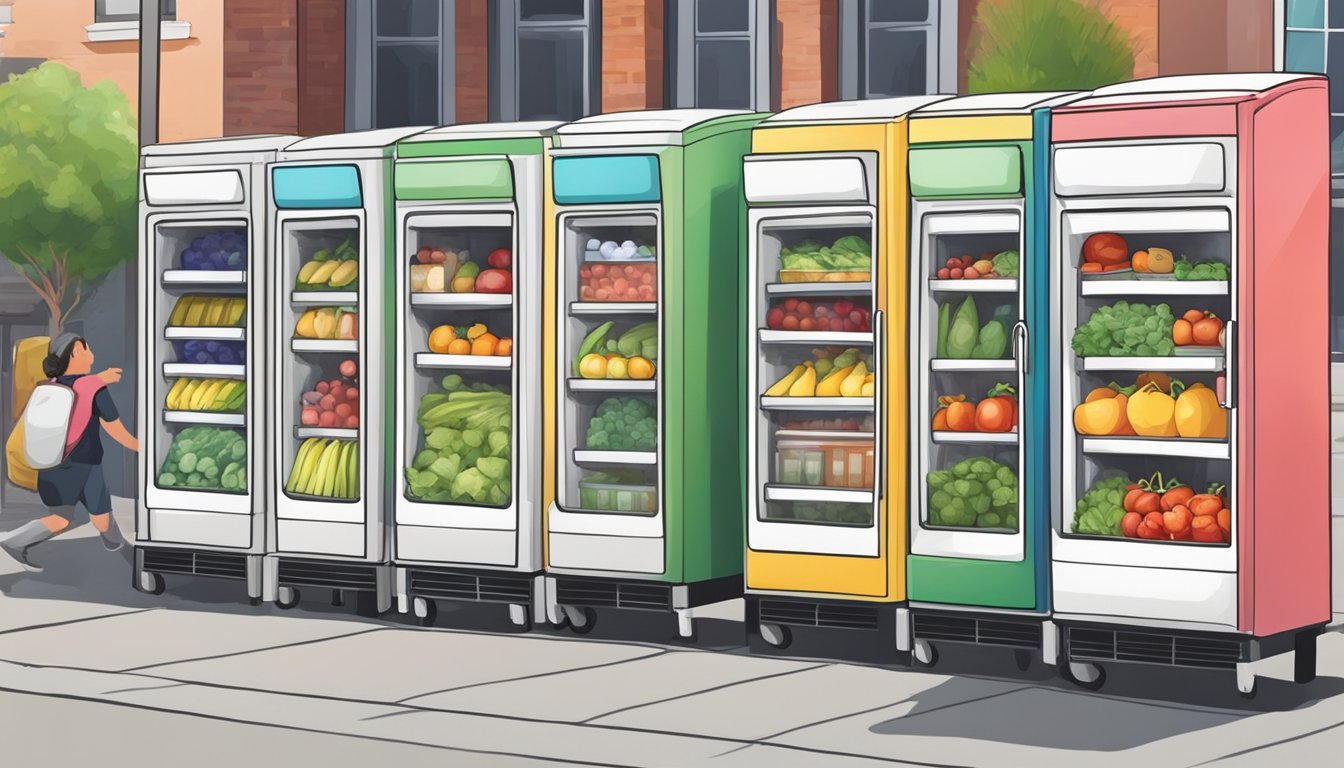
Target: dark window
(888, 48)
(900, 11)
(551, 67)
(723, 74)
(897, 61)
(543, 65)
(551, 10)
(408, 84)
(129, 10)
(716, 53)
(722, 16)
(407, 18)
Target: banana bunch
(326, 468)
(212, 395)
(335, 268)
(208, 311)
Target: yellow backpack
(28, 355)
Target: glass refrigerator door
(1144, 408)
(968, 449)
(610, 412)
(814, 439)
(320, 410)
(458, 377)
(200, 438)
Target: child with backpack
(63, 442)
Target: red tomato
(1106, 249)
(807, 324)
(790, 322)
(837, 324)
(775, 318)
(500, 258)
(804, 308)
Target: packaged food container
(800, 463)
(427, 278)
(823, 276)
(849, 464)
(610, 497)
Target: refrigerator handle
(879, 400)
(1020, 347)
(1228, 390)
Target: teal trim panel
(316, 186)
(606, 179)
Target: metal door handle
(879, 395)
(1229, 364)
(1021, 346)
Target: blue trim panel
(316, 186)
(1038, 323)
(605, 179)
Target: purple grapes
(223, 250)
(205, 352)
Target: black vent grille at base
(1092, 644)
(485, 588)
(214, 565)
(613, 594)
(808, 614)
(978, 630)
(328, 575)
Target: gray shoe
(20, 556)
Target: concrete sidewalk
(311, 682)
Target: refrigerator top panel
(359, 144)
(316, 187)
(996, 104)
(1247, 82)
(858, 111)
(659, 127)
(520, 130)
(214, 151)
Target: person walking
(78, 481)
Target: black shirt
(89, 449)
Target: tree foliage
(68, 176)
(1045, 45)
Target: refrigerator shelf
(1154, 446)
(204, 277)
(1173, 363)
(324, 298)
(203, 371)
(974, 438)
(973, 365)
(647, 458)
(330, 433)
(821, 434)
(816, 338)
(612, 385)
(462, 300)
(1154, 287)
(204, 417)
(817, 493)
(204, 332)
(832, 288)
(785, 403)
(325, 345)
(988, 285)
(465, 362)
(577, 308)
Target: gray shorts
(61, 488)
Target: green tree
(67, 183)
(1045, 45)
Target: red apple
(775, 318)
(804, 309)
(326, 419)
(352, 394)
(944, 273)
(352, 422)
(328, 403)
(422, 255)
(343, 410)
(500, 258)
(308, 417)
(349, 369)
(322, 387)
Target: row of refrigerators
(1045, 371)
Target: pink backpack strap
(85, 387)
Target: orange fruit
(593, 366)
(440, 338)
(484, 344)
(504, 348)
(639, 368)
(1182, 333)
(459, 347)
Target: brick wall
(472, 62)
(261, 88)
(806, 51)
(321, 66)
(1138, 18)
(632, 54)
(1204, 36)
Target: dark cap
(62, 343)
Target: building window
(129, 10)
(545, 60)
(719, 53)
(399, 67)
(896, 48)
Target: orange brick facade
(806, 54)
(632, 55)
(261, 58)
(472, 61)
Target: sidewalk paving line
(250, 651)
(82, 619)
(537, 676)
(713, 689)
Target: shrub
(1045, 45)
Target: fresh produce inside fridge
(610, 349)
(969, 408)
(1174, 256)
(819, 314)
(826, 372)
(459, 450)
(1153, 404)
(200, 437)
(321, 373)
(1154, 508)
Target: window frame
(684, 38)
(940, 69)
(167, 12)
(505, 22)
(361, 62)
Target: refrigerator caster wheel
(286, 598)
(1247, 685)
(426, 611)
(926, 655)
(1021, 659)
(254, 601)
(518, 616)
(581, 620)
(150, 583)
(1089, 677)
(776, 635)
(337, 598)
